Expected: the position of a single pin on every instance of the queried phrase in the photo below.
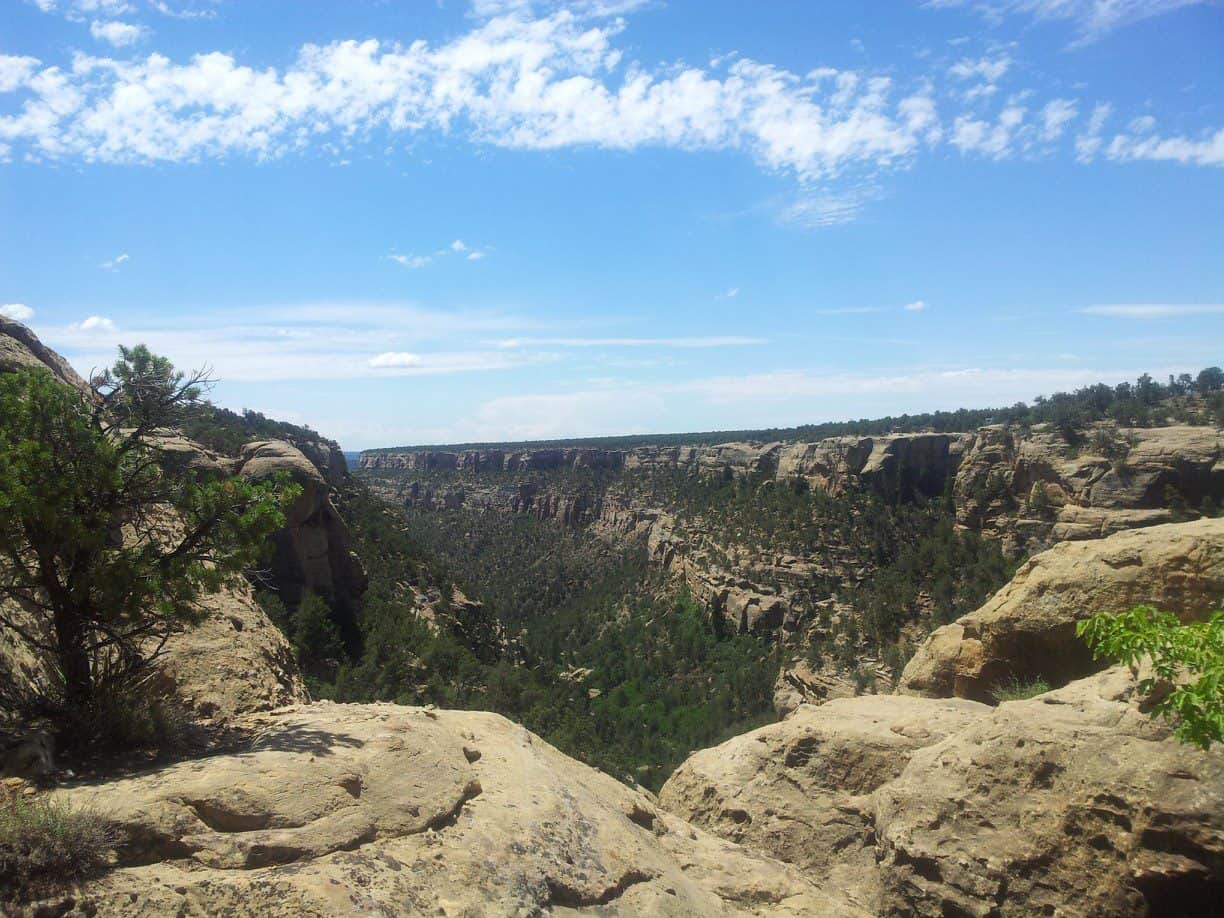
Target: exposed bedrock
(380, 809)
(1026, 631)
(1072, 803)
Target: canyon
(936, 799)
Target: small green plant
(1187, 658)
(1019, 690)
(46, 844)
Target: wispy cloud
(308, 342)
(1092, 18)
(916, 306)
(697, 342)
(112, 264)
(411, 261)
(1154, 310)
(19, 311)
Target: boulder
(381, 809)
(1026, 631)
(799, 790)
(1072, 803)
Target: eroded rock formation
(1026, 631)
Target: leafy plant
(1187, 659)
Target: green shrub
(1187, 665)
(130, 717)
(45, 844)
(1019, 690)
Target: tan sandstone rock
(380, 809)
(1027, 630)
(800, 789)
(236, 661)
(1073, 803)
(314, 550)
(21, 349)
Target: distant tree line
(1130, 404)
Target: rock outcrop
(380, 809)
(314, 550)
(1026, 631)
(234, 662)
(800, 790)
(1033, 489)
(1072, 803)
(21, 349)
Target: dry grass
(47, 845)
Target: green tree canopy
(104, 551)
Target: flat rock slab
(388, 810)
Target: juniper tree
(105, 551)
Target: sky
(437, 221)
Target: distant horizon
(579, 442)
(516, 220)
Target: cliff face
(1026, 489)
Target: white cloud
(396, 359)
(1203, 151)
(697, 342)
(303, 342)
(1089, 142)
(15, 71)
(407, 363)
(994, 139)
(19, 311)
(98, 325)
(1092, 17)
(528, 84)
(989, 69)
(119, 34)
(1055, 116)
(114, 263)
(818, 210)
(916, 306)
(458, 246)
(411, 261)
(1154, 310)
(476, 256)
(630, 409)
(732, 293)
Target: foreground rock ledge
(1074, 803)
(388, 810)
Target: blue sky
(436, 221)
